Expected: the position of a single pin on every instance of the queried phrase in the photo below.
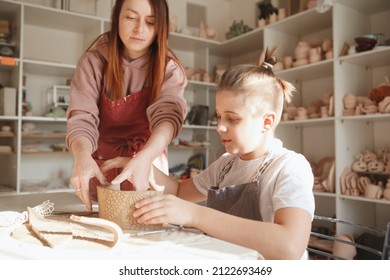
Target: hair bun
(267, 65)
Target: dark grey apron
(238, 200)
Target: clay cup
(343, 250)
(372, 191)
(118, 206)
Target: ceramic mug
(386, 193)
(262, 22)
(343, 250)
(273, 18)
(372, 191)
(329, 54)
(282, 13)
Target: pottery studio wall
(178, 10)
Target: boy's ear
(269, 121)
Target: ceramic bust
(369, 156)
(359, 165)
(376, 166)
(302, 50)
(350, 101)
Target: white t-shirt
(286, 182)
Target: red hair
(159, 51)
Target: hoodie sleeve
(83, 111)
(171, 105)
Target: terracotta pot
(281, 13)
(343, 250)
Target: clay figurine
(359, 165)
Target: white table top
(181, 245)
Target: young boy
(259, 193)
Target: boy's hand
(165, 209)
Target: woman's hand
(166, 209)
(136, 170)
(85, 168)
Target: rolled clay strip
(110, 226)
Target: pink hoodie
(87, 85)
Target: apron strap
(225, 170)
(261, 170)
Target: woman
(126, 100)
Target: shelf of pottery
(341, 109)
(36, 76)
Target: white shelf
(43, 119)
(300, 24)
(8, 118)
(245, 43)
(363, 199)
(189, 43)
(47, 68)
(309, 122)
(374, 58)
(59, 19)
(308, 72)
(373, 117)
(368, 7)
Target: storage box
(4, 27)
(8, 101)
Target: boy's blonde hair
(264, 90)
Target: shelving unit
(48, 42)
(38, 32)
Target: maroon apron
(124, 130)
(239, 200)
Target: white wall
(220, 13)
(245, 10)
(217, 13)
